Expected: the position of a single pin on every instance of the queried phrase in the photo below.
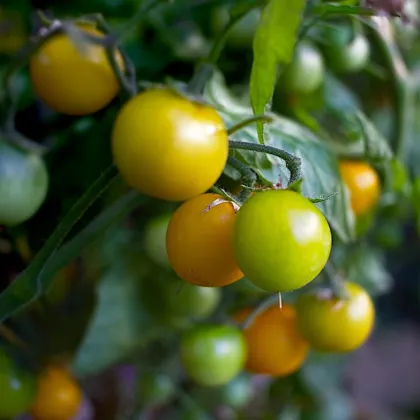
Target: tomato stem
(249, 121)
(293, 163)
(336, 282)
(248, 177)
(224, 194)
(259, 309)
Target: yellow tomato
(169, 147)
(74, 81)
(275, 345)
(333, 325)
(363, 184)
(58, 396)
(199, 242)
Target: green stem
(293, 163)
(31, 283)
(125, 84)
(248, 177)
(336, 282)
(262, 307)
(249, 121)
(224, 194)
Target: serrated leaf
(319, 164)
(274, 44)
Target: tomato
(155, 240)
(351, 56)
(23, 184)
(58, 396)
(72, 81)
(186, 300)
(213, 355)
(237, 392)
(247, 288)
(334, 325)
(155, 389)
(199, 242)
(169, 147)
(17, 388)
(242, 33)
(306, 72)
(282, 241)
(275, 345)
(363, 184)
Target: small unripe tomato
(306, 72)
(282, 241)
(73, 81)
(169, 147)
(199, 241)
(58, 395)
(213, 355)
(17, 388)
(275, 344)
(23, 184)
(363, 184)
(333, 325)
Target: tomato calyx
(219, 201)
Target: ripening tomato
(306, 72)
(282, 241)
(275, 345)
(169, 147)
(23, 184)
(213, 355)
(58, 395)
(72, 80)
(363, 184)
(17, 388)
(199, 241)
(333, 325)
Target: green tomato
(186, 300)
(213, 355)
(306, 72)
(237, 392)
(349, 57)
(155, 389)
(242, 33)
(23, 184)
(155, 240)
(282, 241)
(17, 388)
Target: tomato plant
(199, 241)
(160, 133)
(23, 184)
(58, 396)
(73, 79)
(285, 249)
(17, 388)
(333, 324)
(155, 389)
(275, 344)
(213, 355)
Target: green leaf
(416, 201)
(274, 44)
(120, 324)
(319, 164)
(33, 281)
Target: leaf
(416, 201)
(33, 281)
(274, 43)
(120, 325)
(319, 165)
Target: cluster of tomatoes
(53, 395)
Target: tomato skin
(17, 388)
(58, 395)
(333, 325)
(282, 241)
(169, 147)
(306, 72)
(363, 184)
(213, 355)
(155, 240)
(23, 184)
(71, 82)
(351, 57)
(275, 344)
(200, 243)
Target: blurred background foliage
(116, 313)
